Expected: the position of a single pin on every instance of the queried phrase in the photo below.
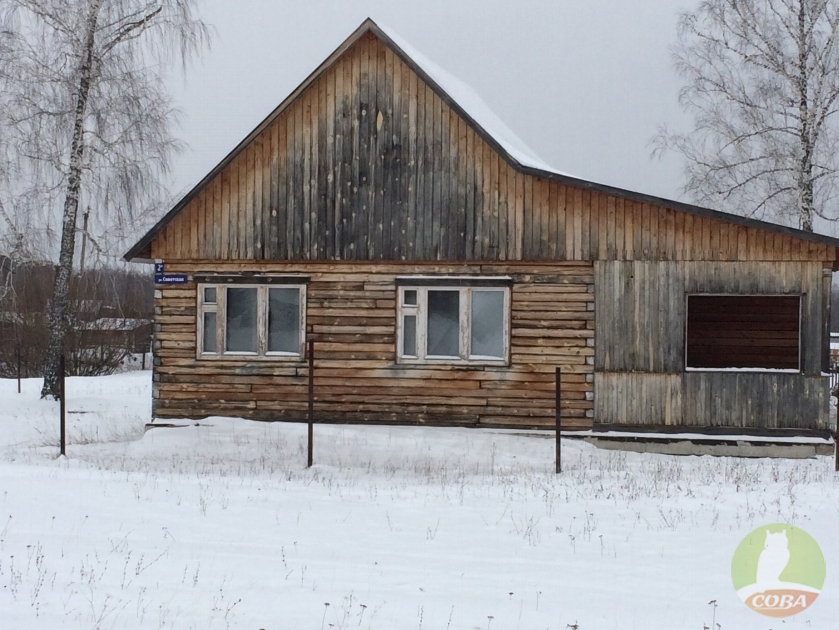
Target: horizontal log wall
(370, 163)
(351, 315)
(640, 347)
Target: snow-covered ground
(219, 525)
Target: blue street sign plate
(158, 267)
(171, 278)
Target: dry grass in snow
(219, 525)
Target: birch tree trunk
(64, 269)
(85, 111)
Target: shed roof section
(381, 155)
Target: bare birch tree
(89, 115)
(762, 82)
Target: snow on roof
(473, 105)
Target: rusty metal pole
(18, 369)
(558, 421)
(62, 384)
(836, 440)
(311, 400)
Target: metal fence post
(18, 369)
(63, 387)
(311, 399)
(836, 451)
(558, 421)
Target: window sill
(746, 370)
(453, 362)
(277, 358)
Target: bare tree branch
(84, 115)
(762, 84)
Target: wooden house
(444, 272)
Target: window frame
(765, 370)
(420, 311)
(262, 304)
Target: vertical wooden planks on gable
(383, 122)
(446, 210)
(486, 202)
(275, 210)
(620, 229)
(197, 217)
(335, 98)
(469, 159)
(558, 210)
(405, 162)
(422, 207)
(225, 245)
(610, 233)
(435, 140)
(594, 225)
(310, 169)
(429, 173)
(462, 179)
(503, 245)
(602, 228)
(455, 178)
(364, 230)
(647, 231)
(493, 210)
(260, 193)
(630, 229)
(298, 207)
(542, 198)
(517, 196)
(241, 217)
(553, 220)
(350, 217)
(412, 250)
(481, 177)
(323, 195)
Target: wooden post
(63, 388)
(558, 421)
(18, 369)
(143, 367)
(311, 399)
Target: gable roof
(469, 106)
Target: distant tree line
(109, 318)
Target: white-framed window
(258, 321)
(453, 324)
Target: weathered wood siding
(351, 315)
(369, 163)
(640, 347)
(712, 399)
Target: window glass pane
(241, 320)
(443, 323)
(209, 333)
(209, 295)
(487, 326)
(284, 320)
(409, 336)
(410, 297)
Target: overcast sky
(584, 83)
